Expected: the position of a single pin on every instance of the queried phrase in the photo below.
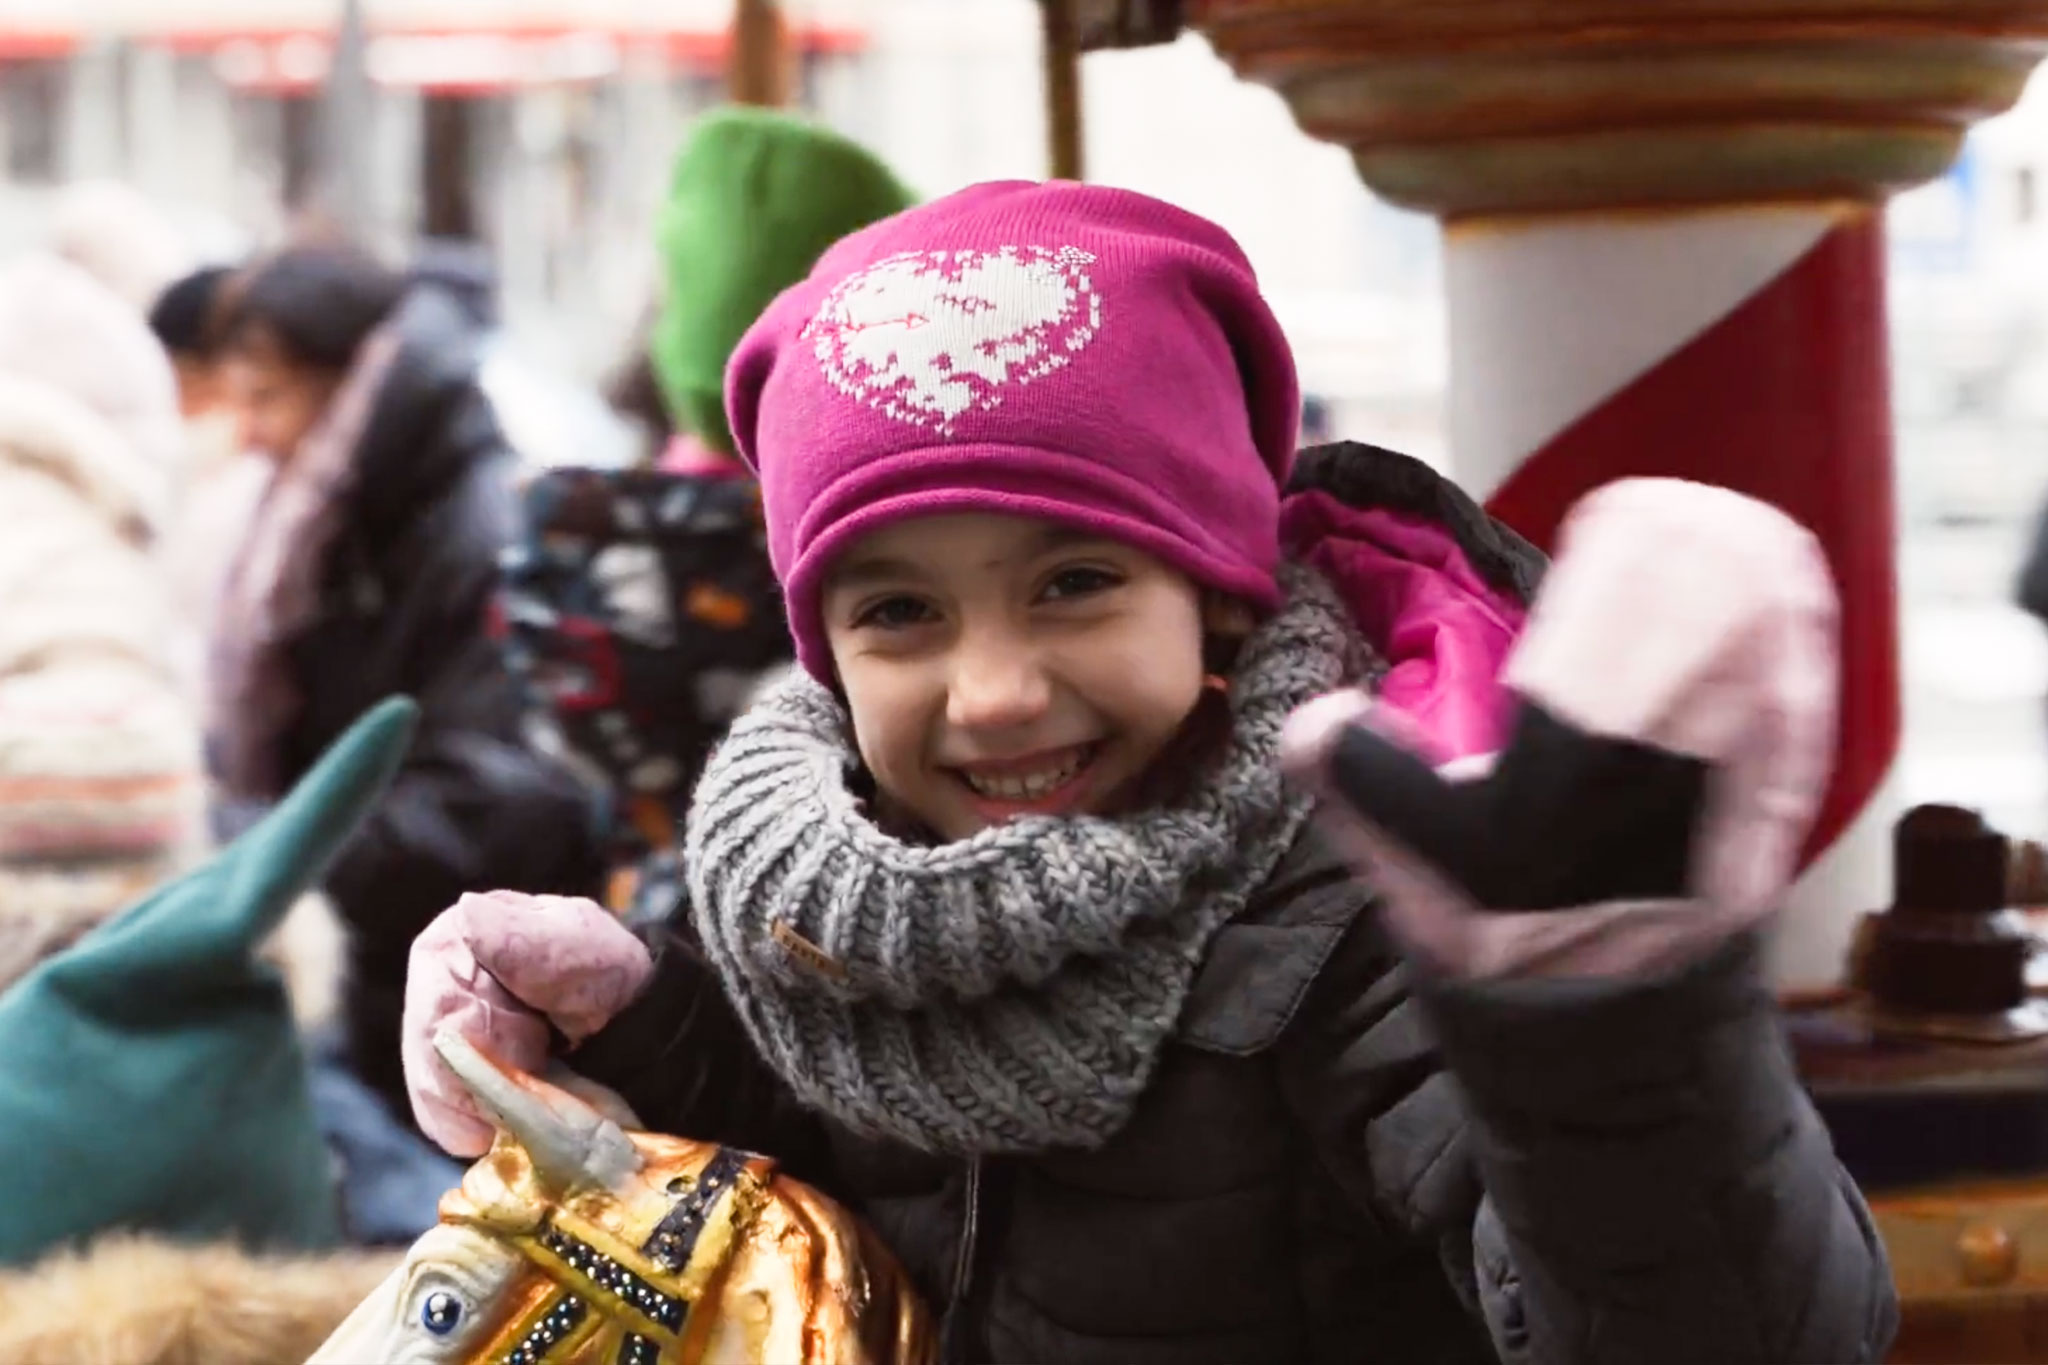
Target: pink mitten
(1674, 715)
(499, 969)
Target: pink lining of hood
(1444, 633)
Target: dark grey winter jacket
(1338, 1162)
(1334, 1165)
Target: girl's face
(999, 666)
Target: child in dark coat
(1006, 928)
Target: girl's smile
(1051, 782)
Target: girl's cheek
(880, 740)
(1151, 690)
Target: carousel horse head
(575, 1242)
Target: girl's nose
(996, 684)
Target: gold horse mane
(653, 1250)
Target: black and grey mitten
(1674, 701)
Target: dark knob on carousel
(1948, 859)
(1948, 945)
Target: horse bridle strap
(555, 1326)
(592, 1280)
(555, 1323)
(674, 1241)
(653, 1319)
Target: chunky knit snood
(1009, 992)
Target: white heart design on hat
(924, 336)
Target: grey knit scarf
(1005, 993)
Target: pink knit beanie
(1070, 352)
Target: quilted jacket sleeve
(1613, 1172)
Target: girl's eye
(441, 1313)
(1080, 583)
(895, 613)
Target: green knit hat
(151, 1076)
(756, 198)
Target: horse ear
(572, 1144)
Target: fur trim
(44, 428)
(121, 238)
(128, 1300)
(43, 911)
(61, 327)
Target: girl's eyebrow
(1059, 537)
(862, 573)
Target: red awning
(482, 60)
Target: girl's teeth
(1027, 788)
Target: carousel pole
(1665, 256)
(760, 61)
(342, 189)
(1063, 89)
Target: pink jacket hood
(1439, 589)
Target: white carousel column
(1739, 346)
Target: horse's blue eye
(441, 1313)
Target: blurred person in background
(643, 610)
(99, 747)
(546, 418)
(185, 317)
(121, 238)
(1316, 427)
(465, 272)
(370, 569)
(2032, 590)
(755, 198)
(130, 246)
(222, 482)
(634, 392)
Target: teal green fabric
(151, 1075)
(755, 198)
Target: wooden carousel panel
(2012, 1331)
(1948, 1136)
(1517, 105)
(1972, 1270)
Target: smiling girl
(1007, 931)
